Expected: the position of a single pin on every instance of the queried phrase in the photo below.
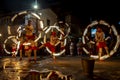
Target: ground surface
(13, 69)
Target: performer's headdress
(53, 33)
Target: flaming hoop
(21, 29)
(112, 29)
(55, 26)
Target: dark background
(84, 10)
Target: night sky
(83, 9)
